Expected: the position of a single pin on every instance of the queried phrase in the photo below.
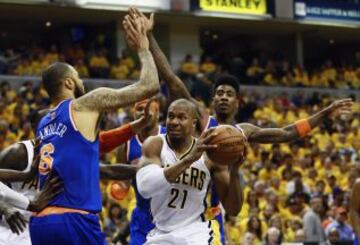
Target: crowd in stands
(94, 64)
(287, 186)
(97, 63)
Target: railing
(16, 82)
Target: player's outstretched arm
(355, 208)
(177, 88)
(111, 139)
(117, 171)
(227, 183)
(298, 129)
(103, 99)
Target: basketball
(119, 190)
(231, 145)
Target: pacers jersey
(67, 154)
(133, 154)
(27, 189)
(182, 203)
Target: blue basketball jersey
(67, 154)
(214, 198)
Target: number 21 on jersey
(176, 194)
(46, 160)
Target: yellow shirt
(208, 67)
(266, 175)
(189, 68)
(82, 70)
(119, 71)
(99, 62)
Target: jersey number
(46, 161)
(175, 194)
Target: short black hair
(53, 75)
(192, 107)
(227, 80)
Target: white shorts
(199, 233)
(9, 238)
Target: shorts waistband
(58, 210)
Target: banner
(255, 7)
(317, 9)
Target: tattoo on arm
(103, 99)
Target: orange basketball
(231, 145)
(119, 190)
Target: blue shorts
(140, 225)
(66, 229)
(219, 219)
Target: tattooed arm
(87, 109)
(102, 99)
(290, 132)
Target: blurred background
(292, 57)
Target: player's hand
(201, 145)
(15, 220)
(135, 13)
(149, 118)
(52, 187)
(136, 35)
(340, 107)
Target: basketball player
(141, 220)
(176, 176)
(354, 207)
(226, 99)
(69, 147)
(226, 103)
(20, 158)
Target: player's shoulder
(153, 143)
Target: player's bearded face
(79, 89)
(225, 100)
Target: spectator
(254, 226)
(272, 237)
(300, 236)
(99, 65)
(119, 70)
(189, 67)
(208, 66)
(345, 231)
(312, 223)
(333, 236)
(249, 239)
(81, 68)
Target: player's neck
(61, 97)
(180, 146)
(225, 119)
(147, 132)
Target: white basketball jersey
(6, 236)
(183, 202)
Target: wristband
(111, 139)
(303, 127)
